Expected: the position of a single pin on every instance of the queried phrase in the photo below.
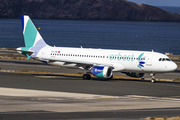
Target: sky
(172, 3)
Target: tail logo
(32, 38)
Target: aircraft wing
(76, 62)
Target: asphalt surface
(74, 84)
(118, 87)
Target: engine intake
(102, 71)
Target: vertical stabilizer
(32, 39)
(30, 33)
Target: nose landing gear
(153, 80)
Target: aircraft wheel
(153, 80)
(111, 77)
(86, 77)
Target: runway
(117, 87)
(47, 97)
(64, 97)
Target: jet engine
(137, 75)
(102, 71)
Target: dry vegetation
(12, 56)
(65, 74)
(164, 118)
(177, 79)
(80, 74)
(178, 64)
(174, 57)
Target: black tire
(111, 77)
(153, 81)
(86, 77)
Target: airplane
(98, 62)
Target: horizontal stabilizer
(27, 52)
(24, 52)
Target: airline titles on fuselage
(118, 57)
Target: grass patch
(12, 56)
(80, 73)
(176, 79)
(174, 56)
(53, 73)
(178, 64)
(163, 118)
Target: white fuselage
(120, 60)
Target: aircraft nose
(173, 66)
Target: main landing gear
(86, 76)
(153, 80)
(111, 77)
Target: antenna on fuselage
(152, 50)
(81, 46)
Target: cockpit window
(167, 59)
(164, 59)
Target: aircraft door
(149, 60)
(43, 53)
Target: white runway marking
(13, 99)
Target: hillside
(85, 10)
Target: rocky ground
(85, 10)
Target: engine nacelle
(137, 75)
(102, 71)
